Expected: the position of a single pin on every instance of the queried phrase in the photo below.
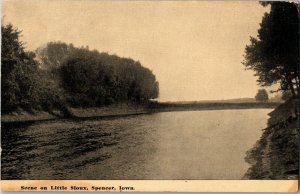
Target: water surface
(167, 145)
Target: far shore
(115, 111)
(210, 105)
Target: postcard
(149, 96)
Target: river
(167, 145)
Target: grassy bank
(131, 109)
(107, 111)
(21, 115)
(113, 110)
(276, 153)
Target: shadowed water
(168, 145)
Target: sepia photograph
(149, 90)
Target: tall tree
(274, 54)
(52, 54)
(18, 73)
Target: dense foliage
(19, 85)
(94, 79)
(286, 95)
(274, 54)
(59, 75)
(53, 54)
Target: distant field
(210, 105)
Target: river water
(166, 145)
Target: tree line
(57, 75)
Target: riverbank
(276, 154)
(210, 105)
(77, 113)
(129, 109)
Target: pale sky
(195, 48)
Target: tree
(274, 54)
(52, 54)
(18, 73)
(24, 85)
(262, 95)
(61, 75)
(94, 79)
(286, 95)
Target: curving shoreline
(122, 110)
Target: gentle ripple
(169, 145)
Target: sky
(195, 48)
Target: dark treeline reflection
(58, 74)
